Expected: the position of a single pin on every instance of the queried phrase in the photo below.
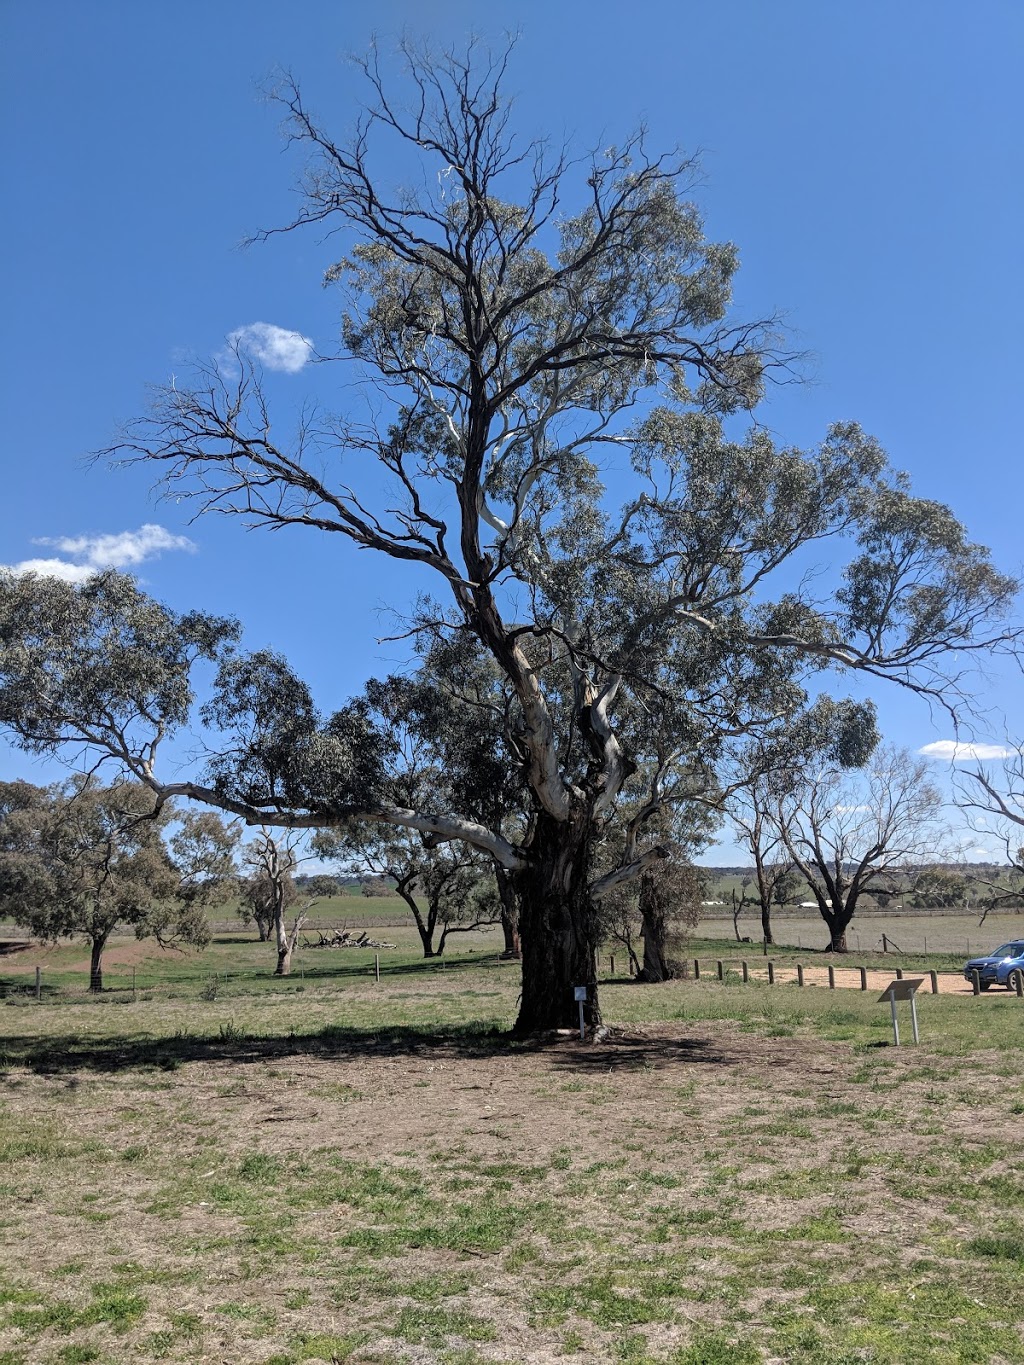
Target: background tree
(659, 911)
(846, 832)
(80, 860)
(444, 725)
(438, 885)
(375, 886)
(269, 891)
(938, 888)
(525, 319)
(203, 849)
(456, 712)
(670, 893)
(830, 735)
(994, 804)
(754, 812)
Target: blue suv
(1000, 968)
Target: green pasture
(328, 1168)
(235, 963)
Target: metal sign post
(902, 990)
(580, 995)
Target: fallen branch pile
(344, 938)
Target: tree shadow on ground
(125, 1052)
(8, 947)
(621, 1051)
(71, 1052)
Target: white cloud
(93, 554)
(848, 810)
(274, 347)
(955, 752)
(978, 853)
(53, 568)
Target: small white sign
(579, 992)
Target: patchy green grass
(374, 1173)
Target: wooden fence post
(831, 977)
(799, 974)
(935, 982)
(696, 969)
(39, 983)
(746, 972)
(771, 973)
(721, 971)
(863, 978)
(976, 981)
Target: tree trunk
(559, 928)
(510, 929)
(837, 922)
(96, 964)
(284, 947)
(424, 927)
(654, 932)
(427, 940)
(509, 913)
(766, 924)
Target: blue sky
(865, 157)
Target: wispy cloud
(92, 554)
(955, 752)
(274, 347)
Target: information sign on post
(902, 990)
(580, 996)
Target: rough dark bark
(509, 913)
(654, 931)
(766, 924)
(837, 934)
(426, 939)
(837, 922)
(96, 964)
(559, 928)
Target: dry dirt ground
(689, 1193)
(848, 978)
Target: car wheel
(1011, 980)
(986, 985)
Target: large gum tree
(558, 434)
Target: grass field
(239, 1169)
(958, 935)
